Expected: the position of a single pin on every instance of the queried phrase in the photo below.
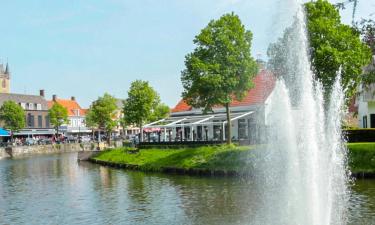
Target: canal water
(56, 189)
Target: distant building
(76, 117)
(36, 110)
(4, 79)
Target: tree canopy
(333, 45)
(13, 116)
(367, 29)
(220, 67)
(101, 114)
(58, 115)
(142, 104)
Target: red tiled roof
(70, 105)
(264, 83)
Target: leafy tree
(367, 29)
(221, 67)
(58, 115)
(101, 114)
(159, 112)
(335, 45)
(13, 117)
(140, 105)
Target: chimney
(41, 93)
(73, 98)
(54, 98)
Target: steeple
(7, 69)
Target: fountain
(302, 175)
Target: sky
(86, 48)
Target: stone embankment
(15, 151)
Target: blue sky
(85, 48)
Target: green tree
(367, 29)
(335, 45)
(58, 115)
(13, 117)
(220, 67)
(101, 114)
(161, 111)
(140, 105)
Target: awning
(196, 120)
(4, 133)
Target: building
(4, 79)
(366, 102)
(76, 117)
(36, 110)
(248, 117)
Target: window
(217, 130)
(47, 121)
(40, 121)
(364, 122)
(372, 120)
(30, 120)
(242, 129)
(30, 106)
(23, 105)
(39, 106)
(4, 83)
(199, 133)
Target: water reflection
(56, 189)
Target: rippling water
(55, 189)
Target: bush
(360, 135)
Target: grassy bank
(229, 158)
(220, 158)
(362, 157)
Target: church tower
(4, 79)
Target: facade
(248, 117)
(366, 103)
(4, 79)
(36, 109)
(76, 117)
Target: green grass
(213, 157)
(362, 157)
(228, 158)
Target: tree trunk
(57, 133)
(109, 138)
(229, 123)
(141, 132)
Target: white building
(366, 103)
(76, 117)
